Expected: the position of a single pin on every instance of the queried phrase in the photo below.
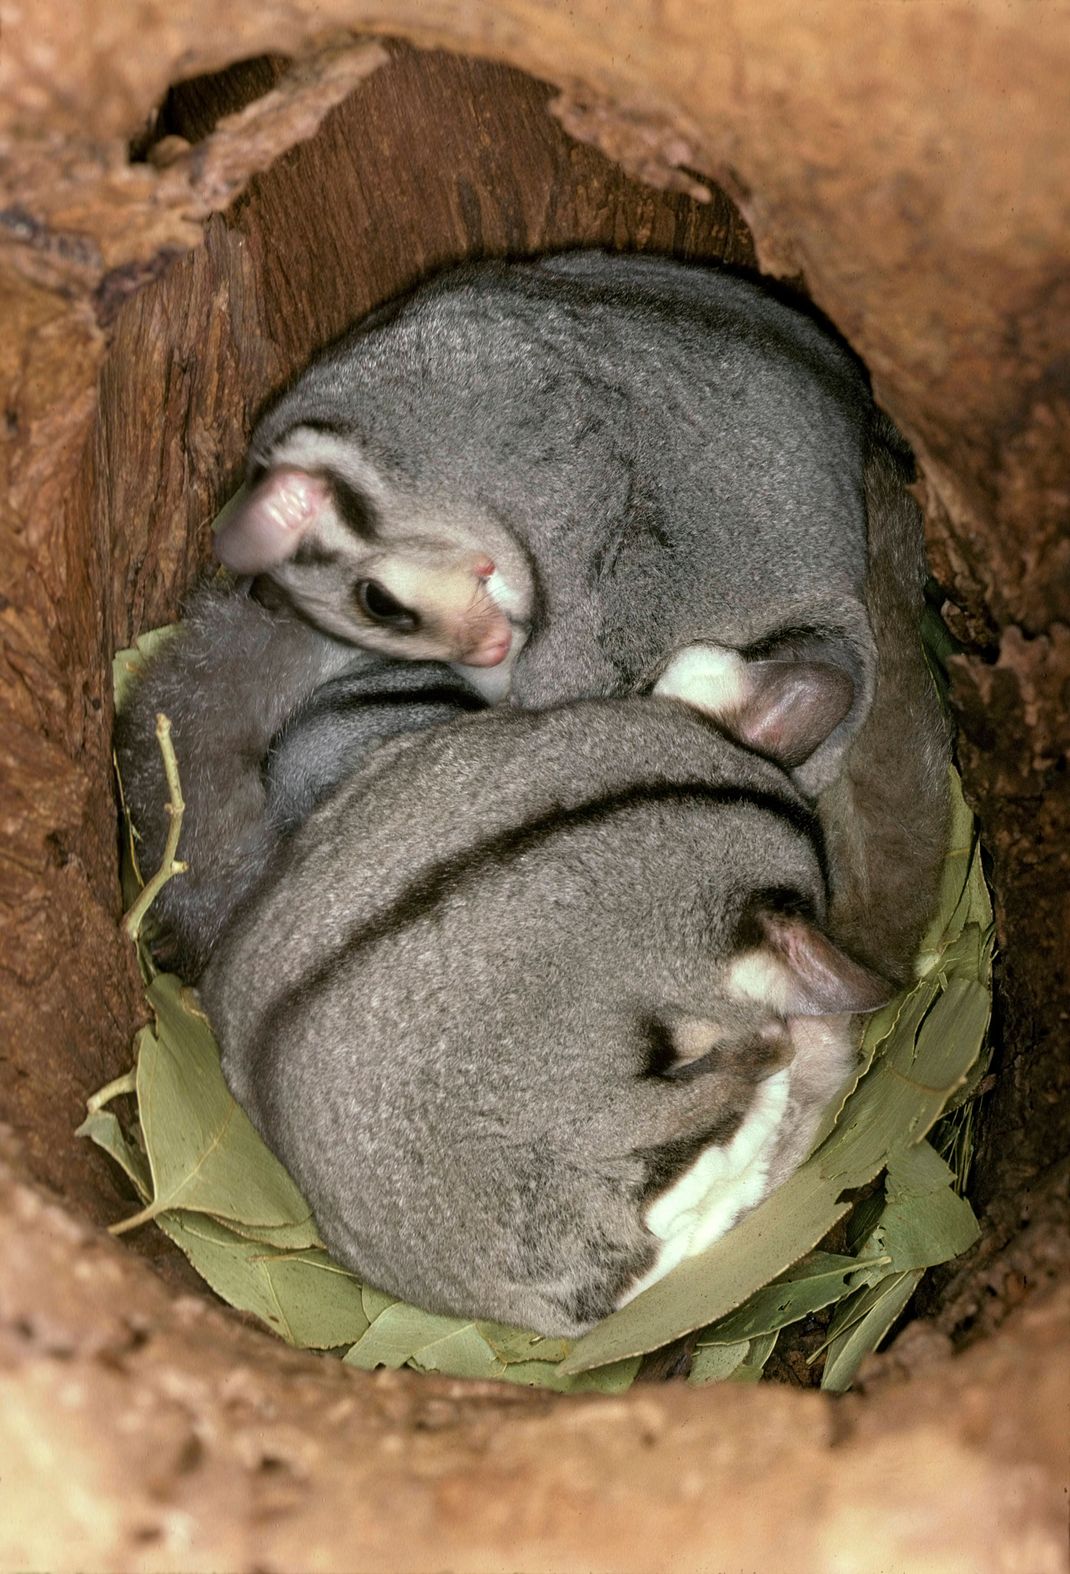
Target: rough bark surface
(172, 246)
(145, 1431)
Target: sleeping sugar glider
(561, 982)
(565, 472)
(486, 935)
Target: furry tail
(887, 814)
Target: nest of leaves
(823, 1267)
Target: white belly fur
(725, 1182)
(722, 1182)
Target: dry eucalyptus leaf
(405, 1336)
(715, 1363)
(819, 1280)
(375, 1301)
(924, 1222)
(203, 1150)
(103, 1128)
(848, 1350)
(750, 1369)
(304, 1297)
(398, 1333)
(515, 1345)
(611, 1379)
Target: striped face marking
(326, 538)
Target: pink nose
(490, 653)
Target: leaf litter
(203, 1175)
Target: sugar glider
(567, 471)
(537, 1003)
(563, 471)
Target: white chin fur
(493, 683)
(721, 1183)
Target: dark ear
(784, 709)
(269, 521)
(818, 978)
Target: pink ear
(268, 525)
(824, 980)
(785, 709)
(790, 708)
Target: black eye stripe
(354, 509)
(312, 554)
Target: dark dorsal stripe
(442, 880)
(344, 703)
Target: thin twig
(127, 1083)
(175, 808)
(143, 1216)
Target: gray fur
(440, 1011)
(267, 715)
(451, 979)
(652, 453)
(886, 815)
(680, 457)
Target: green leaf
(893, 1106)
(923, 1221)
(404, 1336)
(752, 1365)
(463, 1352)
(285, 1237)
(850, 1312)
(863, 1334)
(302, 1296)
(203, 1151)
(375, 1301)
(817, 1281)
(896, 1023)
(103, 1128)
(128, 665)
(398, 1334)
(612, 1379)
(513, 1345)
(714, 1363)
(963, 895)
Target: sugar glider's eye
(379, 605)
